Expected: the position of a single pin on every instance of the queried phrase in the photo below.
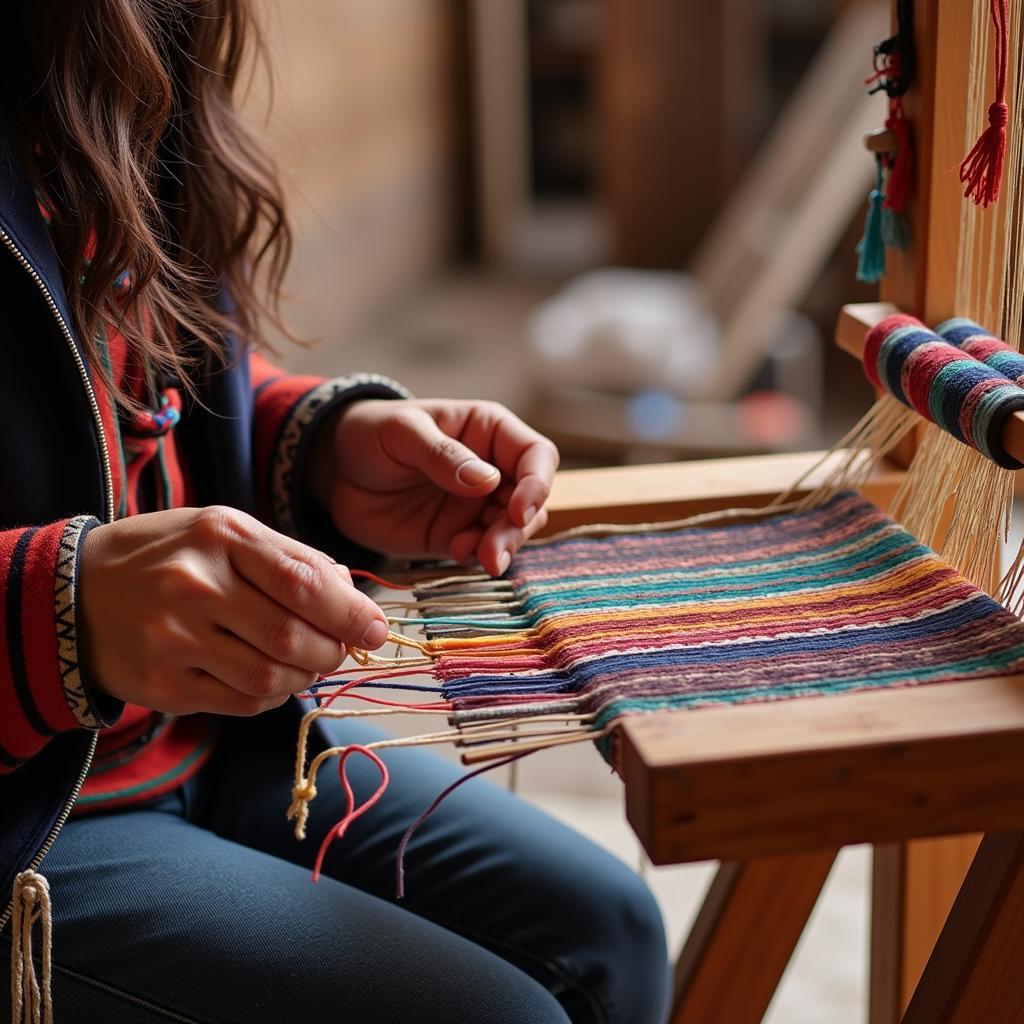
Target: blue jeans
(199, 907)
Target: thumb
(449, 463)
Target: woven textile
(836, 599)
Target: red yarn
(901, 164)
(876, 335)
(351, 811)
(363, 574)
(982, 169)
(921, 368)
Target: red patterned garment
(140, 753)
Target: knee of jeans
(627, 948)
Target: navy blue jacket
(52, 468)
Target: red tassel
(982, 169)
(901, 164)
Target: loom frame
(774, 790)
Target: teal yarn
(895, 229)
(871, 248)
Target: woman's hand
(466, 480)
(194, 610)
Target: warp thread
(943, 383)
(812, 603)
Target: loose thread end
(871, 248)
(298, 809)
(981, 171)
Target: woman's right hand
(194, 610)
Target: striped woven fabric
(836, 599)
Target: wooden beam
(744, 936)
(672, 490)
(974, 973)
(766, 779)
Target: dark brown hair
(125, 113)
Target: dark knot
(998, 115)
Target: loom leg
(914, 885)
(973, 975)
(744, 936)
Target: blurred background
(634, 222)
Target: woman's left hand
(435, 478)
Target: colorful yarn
(826, 601)
(352, 812)
(871, 247)
(942, 382)
(969, 337)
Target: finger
(211, 696)
(491, 514)
(418, 441)
(276, 632)
(497, 546)
(502, 495)
(534, 475)
(249, 671)
(502, 540)
(463, 546)
(343, 572)
(305, 582)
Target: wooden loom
(774, 790)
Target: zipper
(108, 501)
(62, 818)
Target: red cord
(351, 811)
(981, 171)
(362, 574)
(901, 163)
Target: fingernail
(530, 513)
(375, 635)
(475, 472)
(503, 560)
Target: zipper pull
(31, 1001)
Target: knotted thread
(31, 1001)
(963, 396)
(981, 171)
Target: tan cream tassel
(30, 996)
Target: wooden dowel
(498, 750)
(881, 141)
(855, 320)
(519, 737)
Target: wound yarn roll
(973, 339)
(943, 383)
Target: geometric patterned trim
(293, 433)
(64, 606)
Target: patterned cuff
(288, 506)
(91, 709)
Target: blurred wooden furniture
(774, 790)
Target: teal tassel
(895, 229)
(871, 248)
